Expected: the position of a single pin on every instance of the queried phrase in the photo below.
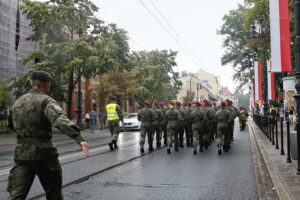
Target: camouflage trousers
(198, 136)
(222, 135)
(157, 132)
(146, 131)
(231, 129)
(165, 133)
(114, 129)
(188, 133)
(22, 175)
(181, 134)
(172, 136)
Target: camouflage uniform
(223, 118)
(158, 118)
(146, 116)
(234, 113)
(34, 115)
(187, 126)
(173, 118)
(163, 124)
(182, 125)
(198, 118)
(242, 119)
(208, 125)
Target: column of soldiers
(199, 123)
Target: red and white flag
(271, 82)
(280, 36)
(258, 82)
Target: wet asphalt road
(180, 175)
(157, 175)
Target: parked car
(131, 122)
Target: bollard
(288, 160)
(273, 134)
(281, 136)
(276, 134)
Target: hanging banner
(271, 82)
(258, 82)
(280, 36)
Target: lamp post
(297, 86)
(261, 34)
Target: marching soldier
(113, 114)
(34, 115)
(243, 118)
(234, 113)
(158, 118)
(146, 116)
(173, 118)
(164, 122)
(223, 137)
(187, 130)
(208, 123)
(181, 124)
(198, 118)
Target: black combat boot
(111, 145)
(219, 150)
(195, 150)
(176, 148)
(115, 144)
(201, 149)
(151, 147)
(158, 144)
(169, 150)
(228, 146)
(225, 148)
(142, 149)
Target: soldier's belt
(33, 140)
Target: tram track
(89, 176)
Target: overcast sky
(194, 21)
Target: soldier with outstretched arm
(34, 116)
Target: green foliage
(4, 95)
(189, 97)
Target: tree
(156, 79)
(189, 97)
(3, 95)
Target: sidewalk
(10, 139)
(283, 174)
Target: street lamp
(254, 34)
(297, 63)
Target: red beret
(178, 103)
(197, 103)
(172, 103)
(189, 103)
(155, 102)
(147, 102)
(223, 103)
(162, 103)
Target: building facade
(14, 29)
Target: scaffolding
(14, 29)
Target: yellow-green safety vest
(111, 110)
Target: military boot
(158, 144)
(115, 144)
(176, 148)
(195, 150)
(225, 148)
(111, 145)
(142, 149)
(219, 150)
(201, 149)
(151, 147)
(169, 150)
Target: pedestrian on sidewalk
(101, 117)
(87, 120)
(34, 116)
(93, 121)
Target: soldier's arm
(55, 115)
(120, 114)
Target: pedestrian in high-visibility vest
(113, 115)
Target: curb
(279, 185)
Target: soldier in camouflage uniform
(198, 118)
(186, 125)
(34, 116)
(209, 122)
(164, 122)
(190, 133)
(234, 113)
(181, 123)
(173, 118)
(146, 117)
(223, 119)
(158, 118)
(114, 115)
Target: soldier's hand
(85, 148)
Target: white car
(131, 122)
